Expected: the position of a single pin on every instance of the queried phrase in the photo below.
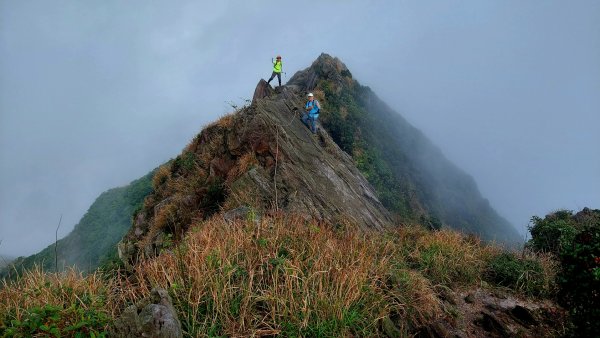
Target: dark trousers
(310, 121)
(278, 78)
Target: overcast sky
(94, 94)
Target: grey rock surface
(155, 318)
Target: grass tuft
(41, 304)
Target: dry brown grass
(243, 197)
(243, 164)
(550, 268)
(162, 174)
(285, 275)
(225, 121)
(449, 258)
(91, 299)
(31, 289)
(246, 162)
(210, 148)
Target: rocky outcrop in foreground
(485, 313)
(153, 317)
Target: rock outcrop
(262, 157)
(484, 313)
(154, 318)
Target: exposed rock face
(241, 213)
(155, 317)
(486, 314)
(314, 176)
(325, 67)
(263, 89)
(263, 157)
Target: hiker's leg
(279, 78)
(305, 119)
(312, 125)
(272, 77)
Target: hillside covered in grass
(5, 260)
(94, 239)
(287, 276)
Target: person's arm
(318, 104)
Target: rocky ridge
(262, 157)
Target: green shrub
(446, 257)
(552, 233)
(185, 161)
(525, 275)
(580, 281)
(56, 321)
(575, 240)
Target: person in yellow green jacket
(276, 69)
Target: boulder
(154, 318)
(493, 325)
(241, 213)
(523, 315)
(262, 90)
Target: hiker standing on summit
(312, 108)
(276, 69)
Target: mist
(95, 94)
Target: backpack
(314, 105)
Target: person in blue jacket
(311, 114)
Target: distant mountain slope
(411, 176)
(95, 237)
(5, 260)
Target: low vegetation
(42, 304)
(277, 275)
(575, 240)
(530, 274)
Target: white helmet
(310, 94)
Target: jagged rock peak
(325, 67)
(262, 90)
